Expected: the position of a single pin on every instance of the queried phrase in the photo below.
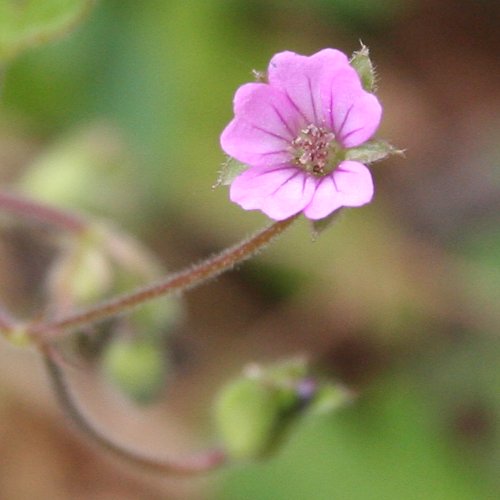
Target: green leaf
(29, 23)
(229, 170)
(362, 63)
(372, 151)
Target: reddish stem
(191, 465)
(176, 282)
(35, 210)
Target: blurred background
(400, 299)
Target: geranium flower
(296, 133)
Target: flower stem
(176, 282)
(35, 210)
(195, 464)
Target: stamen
(314, 148)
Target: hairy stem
(34, 210)
(176, 282)
(195, 464)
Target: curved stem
(35, 210)
(191, 465)
(176, 282)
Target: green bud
(80, 275)
(285, 377)
(92, 278)
(247, 414)
(138, 369)
(254, 412)
(361, 62)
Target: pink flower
(295, 133)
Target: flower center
(315, 150)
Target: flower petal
(291, 197)
(351, 112)
(279, 192)
(298, 77)
(326, 199)
(252, 146)
(265, 123)
(350, 185)
(362, 122)
(251, 187)
(354, 182)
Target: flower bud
(254, 412)
(81, 274)
(247, 415)
(137, 368)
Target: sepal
(362, 63)
(229, 170)
(372, 151)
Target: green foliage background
(125, 116)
